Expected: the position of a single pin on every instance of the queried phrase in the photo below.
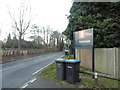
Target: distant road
(17, 73)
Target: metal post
(74, 53)
(93, 61)
(74, 45)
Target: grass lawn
(85, 82)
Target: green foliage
(55, 41)
(13, 43)
(60, 46)
(85, 82)
(49, 72)
(31, 44)
(103, 17)
(9, 42)
(68, 57)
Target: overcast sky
(47, 12)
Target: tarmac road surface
(17, 73)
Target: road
(17, 73)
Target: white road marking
(25, 86)
(27, 83)
(12, 67)
(33, 80)
(42, 68)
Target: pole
(74, 45)
(93, 61)
(73, 50)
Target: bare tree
(22, 22)
(48, 34)
(44, 31)
(34, 30)
(37, 31)
(54, 38)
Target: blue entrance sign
(84, 38)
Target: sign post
(84, 40)
(68, 42)
(93, 61)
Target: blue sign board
(83, 39)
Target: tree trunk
(20, 41)
(57, 43)
(54, 42)
(47, 39)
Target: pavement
(40, 82)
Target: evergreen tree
(9, 41)
(15, 42)
(103, 17)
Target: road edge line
(33, 79)
(28, 82)
(42, 68)
(45, 66)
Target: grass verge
(50, 74)
(85, 82)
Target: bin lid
(60, 60)
(72, 60)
